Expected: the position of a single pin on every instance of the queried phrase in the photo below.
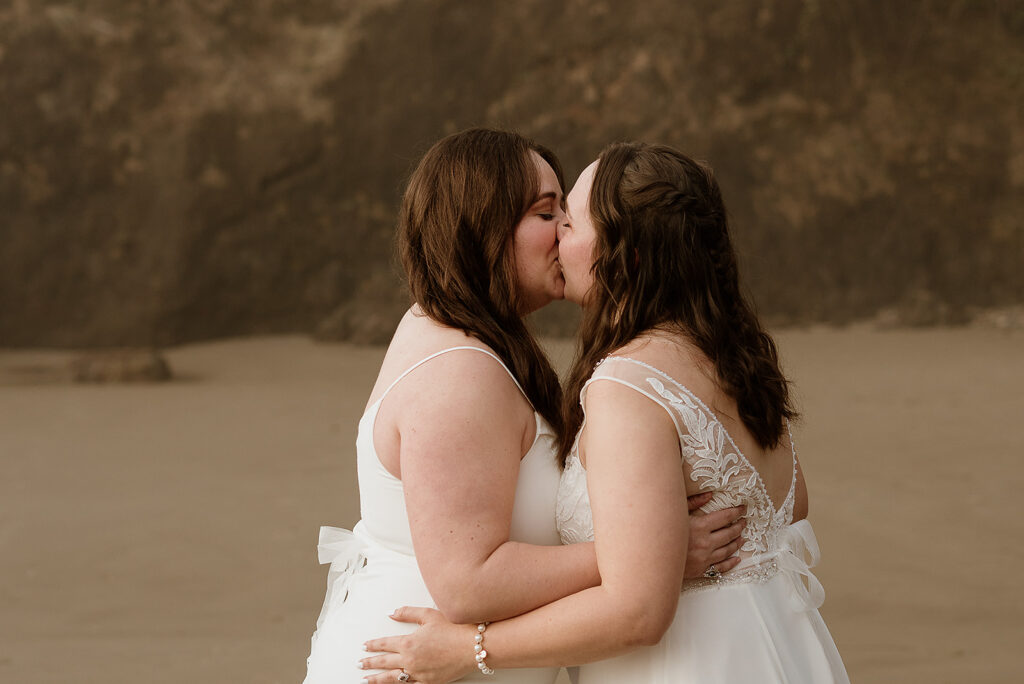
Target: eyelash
(547, 217)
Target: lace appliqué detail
(715, 464)
(572, 506)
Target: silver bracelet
(478, 648)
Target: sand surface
(167, 533)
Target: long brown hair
(663, 258)
(455, 239)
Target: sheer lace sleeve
(636, 376)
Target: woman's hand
(714, 537)
(437, 652)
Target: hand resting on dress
(714, 538)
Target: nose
(563, 226)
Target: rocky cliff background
(179, 170)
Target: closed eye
(547, 217)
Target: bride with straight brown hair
(676, 390)
(457, 449)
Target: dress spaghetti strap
(445, 351)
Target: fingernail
(364, 681)
(361, 665)
(365, 647)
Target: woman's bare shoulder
(470, 373)
(673, 354)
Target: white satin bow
(345, 551)
(798, 553)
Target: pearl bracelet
(478, 648)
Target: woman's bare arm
(640, 527)
(461, 441)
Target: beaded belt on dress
(797, 552)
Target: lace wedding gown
(373, 569)
(757, 623)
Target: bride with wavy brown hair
(676, 390)
(457, 448)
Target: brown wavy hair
(663, 259)
(455, 240)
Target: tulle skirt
(743, 632)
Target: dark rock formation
(178, 171)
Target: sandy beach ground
(167, 533)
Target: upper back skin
(417, 337)
(688, 365)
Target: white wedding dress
(373, 569)
(757, 623)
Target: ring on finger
(404, 677)
(712, 573)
